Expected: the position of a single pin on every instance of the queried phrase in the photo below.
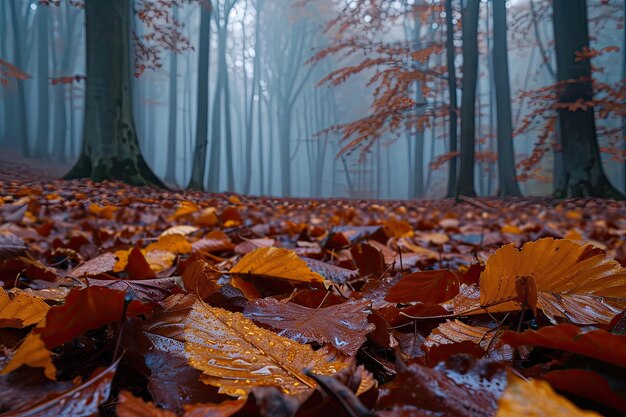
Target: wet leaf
(236, 355)
(199, 278)
(131, 406)
(276, 263)
(80, 401)
(145, 289)
(461, 387)
(344, 325)
(597, 344)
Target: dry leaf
(19, 309)
(32, 352)
(236, 355)
(536, 398)
(344, 325)
(98, 265)
(571, 279)
(175, 243)
(276, 263)
(180, 230)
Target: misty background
(264, 92)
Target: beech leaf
(425, 286)
(98, 265)
(32, 352)
(19, 309)
(572, 280)
(276, 263)
(344, 325)
(236, 355)
(536, 398)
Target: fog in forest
(265, 97)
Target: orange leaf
(175, 243)
(32, 352)
(19, 309)
(571, 280)
(425, 286)
(276, 263)
(515, 401)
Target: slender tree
(202, 123)
(506, 158)
(468, 100)
(452, 105)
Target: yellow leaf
(276, 263)
(185, 208)
(180, 230)
(159, 260)
(234, 199)
(571, 280)
(19, 309)
(32, 352)
(207, 217)
(512, 229)
(122, 260)
(175, 243)
(536, 398)
(236, 355)
(398, 228)
(573, 235)
(105, 212)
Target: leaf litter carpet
(130, 301)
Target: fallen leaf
(32, 352)
(236, 355)
(80, 401)
(138, 267)
(98, 265)
(145, 289)
(19, 309)
(10, 245)
(131, 406)
(180, 230)
(597, 344)
(515, 401)
(175, 243)
(425, 286)
(572, 280)
(276, 263)
(199, 278)
(343, 325)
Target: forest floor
(395, 308)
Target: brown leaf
(330, 272)
(131, 406)
(19, 309)
(276, 263)
(80, 401)
(138, 267)
(425, 286)
(236, 355)
(344, 325)
(459, 388)
(144, 289)
(10, 245)
(173, 242)
(98, 265)
(199, 278)
(597, 344)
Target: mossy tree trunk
(110, 148)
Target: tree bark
(506, 156)
(452, 105)
(22, 129)
(583, 174)
(170, 172)
(43, 117)
(110, 149)
(468, 101)
(202, 120)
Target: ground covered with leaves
(143, 302)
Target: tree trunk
(582, 165)
(110, 149)
(506, 156)
(468, 102)
(22, 129)
(43, 117)
(202, 120)
(170, 172)
(450, 58)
